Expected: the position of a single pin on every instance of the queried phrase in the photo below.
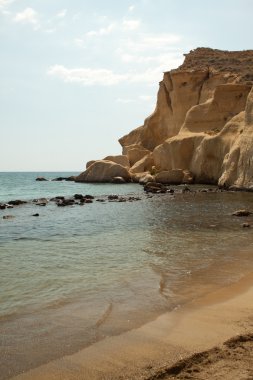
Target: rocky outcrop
(120, 159)
(103, 171)
(238, 162)
(202, 127)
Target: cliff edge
(200, 131)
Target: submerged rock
(242, 213)
(154, 187)
(8, 217)
(41, 179)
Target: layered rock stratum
(201, 130)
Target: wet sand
(211, 338)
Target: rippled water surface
(76, 274)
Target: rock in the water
(16, 202)
(8, 217)
(41, 179)
(78, 196)
(88, 200)
(88, 196)
(2, 207)
(246, 225)
(58, 179)
(112, 197)
(154, 187)
(36, 214)
(118, 180)
(58, 198)
(103, 171)
(242, 213)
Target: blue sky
(77, 75)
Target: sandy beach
(211, 338)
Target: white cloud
(101, 31)
(124, 100)
(89, 76)
(149, 76)
(5, 3)
(50, 31)
(146, 98)
(62, 13)
(168, 60)
(86, 76)
(131, 8)
(28, 16)
(125, 57)
(78, 42)
(131, 24)
(153, 42)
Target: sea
(75, 275)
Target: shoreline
(150, 351)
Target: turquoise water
(76, 274)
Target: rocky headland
(200, 132)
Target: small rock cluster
(58, 179)
(11, 204)
(61, 201)
(159, 188)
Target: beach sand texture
(209, 339)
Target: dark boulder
(66, 202)
(87, 196)
(242, 213)
(246, 225)
(88, 200)
(58, 179)
(16, 202)
(78, 196)
(154, 187)
(40, 179)
(112, 197)
(58, 198)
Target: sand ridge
(230, 361)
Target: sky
(77, 75)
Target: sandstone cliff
(202, 126)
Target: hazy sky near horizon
(77, 75)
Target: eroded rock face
(202, 124)
(238, 163)
(120, 159)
